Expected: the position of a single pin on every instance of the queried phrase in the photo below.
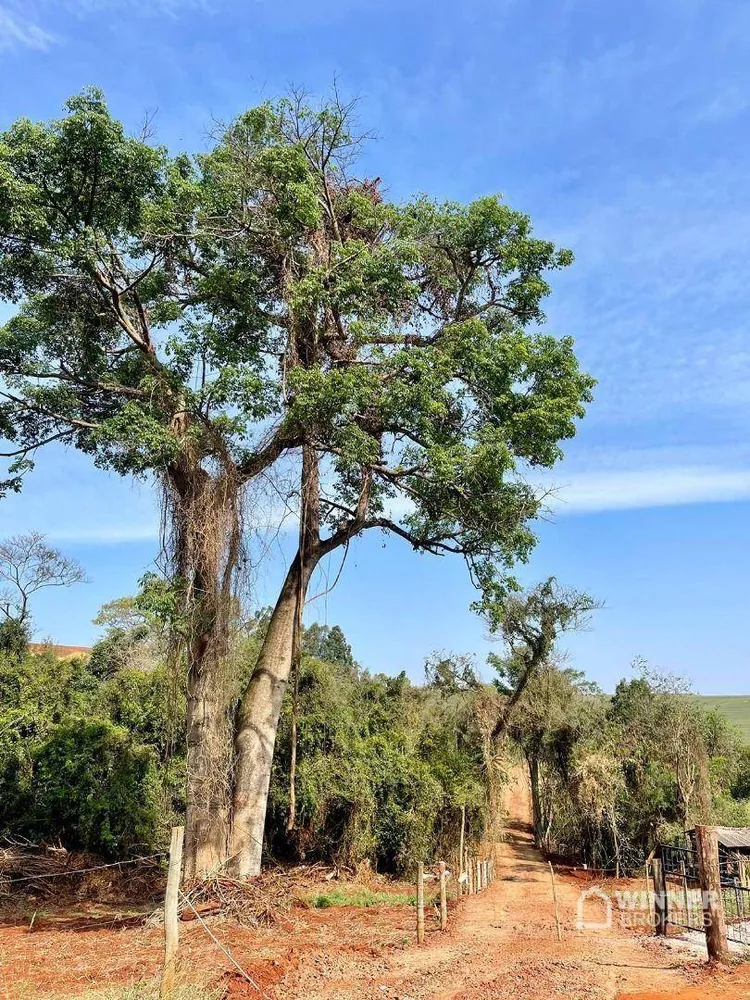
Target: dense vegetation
(613, 775)
(92, 752)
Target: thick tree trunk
(209, 745)
(207, 814)
(260, 708)
(203, 515)
(255, 731)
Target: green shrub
(96, 788)
(14, 638)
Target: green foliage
(450, 673)
(112, 653)
(15, 636)
(95, 755)
(383, 768)
(613, 776)
(95, 787)
(328, 642)
(67, 770)
(154, 337)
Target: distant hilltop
(63, 652)
(736, 707)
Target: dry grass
(135, 991)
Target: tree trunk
(260, 708)
(296, 667)
(536, 799)
(203, 513)
(207, 813)
(257, 722)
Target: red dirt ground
(723, 986)
(499, 944)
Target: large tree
(259, 307)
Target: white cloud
(19, 32)
(105, 534)
(596, 492)
(603, 479)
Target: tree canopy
(260, 310)
(243, 301)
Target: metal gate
(736, 897)
(684, 900)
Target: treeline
(93, 750)
(611, 776)
(93, 754)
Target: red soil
(499, 944)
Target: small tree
(28, 565)
(450, 672)
(530, 625)
(14, 638)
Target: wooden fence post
(171, 922)
(420, 902)
(479, 875)
(461, 849)
(707, 846)
(649, 905)
(554, 900)
(443, 898)
(660, 897)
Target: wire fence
(474, 875)
(66, 873)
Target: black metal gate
(736, 897)
(684, 901)
(684, 897)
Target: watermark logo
(598, 909)
(589, 896)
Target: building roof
(733, 837)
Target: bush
(92, 753)
(96, 788)
(382, 769)
(14, 638)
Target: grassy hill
(736, 707)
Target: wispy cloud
(609, 479)
(587, 493)
(18, 31)
(22, 23)
(140, 7)
(105, 534)
(729, 103)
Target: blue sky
(622, 129)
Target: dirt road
(501, 944)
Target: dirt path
(503, 943)
(499, 944)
